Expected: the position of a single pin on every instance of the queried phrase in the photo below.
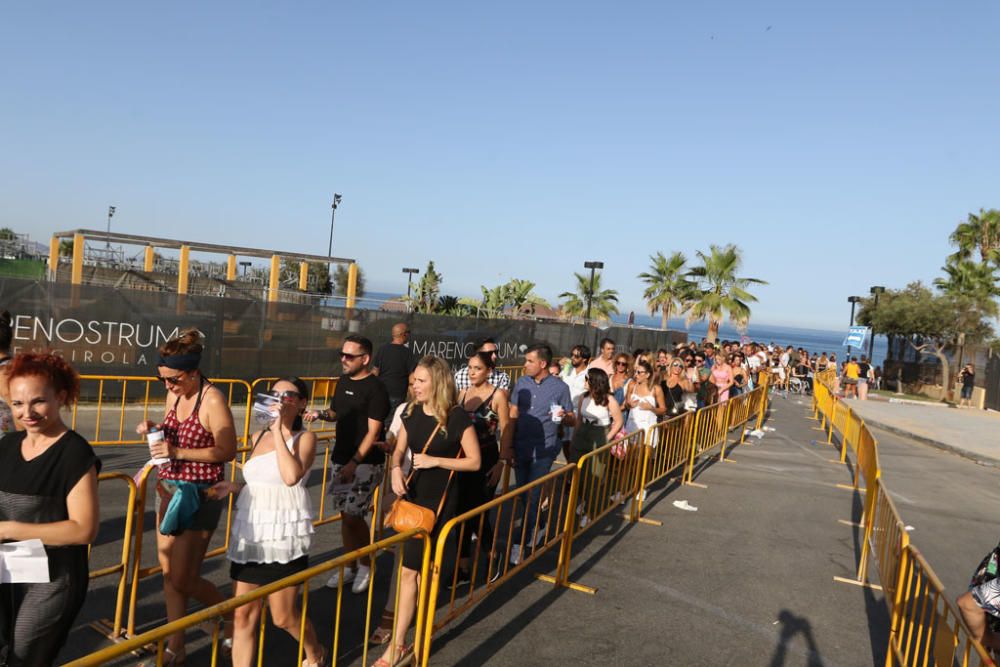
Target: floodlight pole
(593, 266)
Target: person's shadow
(792, 625)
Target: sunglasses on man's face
(349, 356)
(172, 380)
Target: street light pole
(590, 293)
(875, 291)
(111, 213)
(409, 279)
(853, 300)
(333, 215)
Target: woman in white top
(272, 526)
(645, 399)
(599, 417)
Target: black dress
(35, 619)
(428, 486)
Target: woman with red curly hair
(48, 491)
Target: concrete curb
(964, 453)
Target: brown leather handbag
(405, 515)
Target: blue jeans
(526, 472)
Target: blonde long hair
(443, 396)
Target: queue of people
(449, 436)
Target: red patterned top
(189, 434)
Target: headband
(181, 362)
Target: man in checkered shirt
(498, 378)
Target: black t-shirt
(969, 378)
(355, 402)
(35, 491)
(394, 363)
(864, 371)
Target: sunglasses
(641, 371)
(352, 357)
(172, 380)
(282, 395)
(621, 363)
(675, 365)
(490, 351)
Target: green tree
(7, 234)
(425, 297)
(453, 306)
(667, 285)
(340, 281)
(65, 248)
(317, 279)
(933, 324)
(719, 291)
(603, 302)
(521, 298)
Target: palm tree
(668, 285)
(719, 292)
(520, 296)
(979, 233)
(603, 303)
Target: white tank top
(273, 521)
(640, 419)
(593, 413)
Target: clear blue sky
(837, 145)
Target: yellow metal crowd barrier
(568, 501)
(339, 647)
(112, 626)
(112, 406)
(498, 525)
(925, 626)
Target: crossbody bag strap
(424, 450)
(444, 495)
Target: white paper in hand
(24, 563)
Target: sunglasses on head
(170, 379)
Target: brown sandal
(383, 633)
(401, 651)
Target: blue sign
(856, 337)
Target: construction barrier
(112, 626)
(111, 406)
(711, 426)
(666, 449)
(341, 646)
(606, 478)
(498, 525)
(926, 628)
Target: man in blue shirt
(536, 396)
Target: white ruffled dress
(273, 521)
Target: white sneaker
(362, 579)
(584, 521)
(334, 581)
(515, 554)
